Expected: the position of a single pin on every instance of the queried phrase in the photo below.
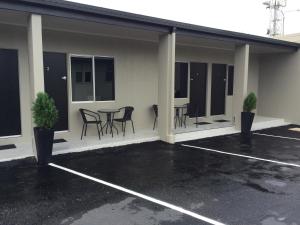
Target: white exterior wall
(279, 86)
(240, 84)
(15, 37)
(136, 75)
(253, 76)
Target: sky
(246, 16)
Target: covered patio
(102, 61)
(212, 77)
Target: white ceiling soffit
(204, 42)
(99, 29)
(13, 17)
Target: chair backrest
(128, 112)
(188, 108)
(155, 109)
(83, 116)
(88, 114)
(192, 110)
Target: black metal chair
(155, 110)
(90, 117)
(126, 117)
(177, 117)
(189, 113)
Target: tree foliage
(45, 114)
(250, 102)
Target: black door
(10, 118)
(55, 74)
(218, 87)
(198, 79)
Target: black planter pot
(246, 123)
(44, 144)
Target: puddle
(276, 183)
(197, 205)
(125, 212)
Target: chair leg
(154, 123)
(98, 131)
(184, 121)
(83, 126)
(175, 121)
(85, 129)
(124, 128)
(101, 128)
(132, 126)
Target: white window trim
(93, 78)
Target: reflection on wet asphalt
(233, 190)
(33, 196)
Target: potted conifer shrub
(247, 115)
(45, 116)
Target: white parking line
(276, 136)
(243, 156)
(159, 202)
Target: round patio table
(179, 114)
(110, 115)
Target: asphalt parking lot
(219, 180)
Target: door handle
(64, 77)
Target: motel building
(102, 60)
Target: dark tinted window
(181, 80)
(82, 88)
(104, 79)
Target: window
(104, 79)
(93, 79)
(81, 90)
(181, 80)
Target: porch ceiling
(100, 29)
(204, 42)
(13, 17)
(215, 43)
(268, 49)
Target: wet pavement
(33, 196)
(282, 131)
(229, 189)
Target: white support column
(35, 55)
(208, 92)
(35, 52)
(241, 64)
(166, 57)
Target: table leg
(108, 120)
(113, 125)
(181, 116)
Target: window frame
(93, 76)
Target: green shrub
(250, 102)
(45, 114)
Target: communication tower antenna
(276, 24)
